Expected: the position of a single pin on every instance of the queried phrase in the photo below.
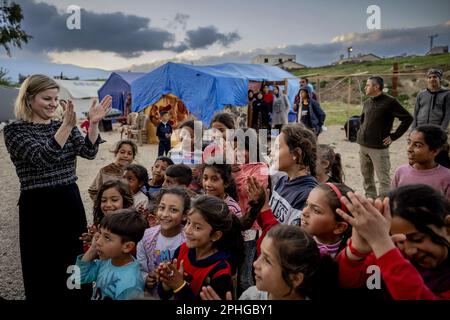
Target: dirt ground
(11, 286)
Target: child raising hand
(210, 255)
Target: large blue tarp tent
(118, 87)
(205, 89)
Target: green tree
(22, 78)
(11, 32)
(4, 79)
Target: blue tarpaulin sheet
(118, 87)
(205, 89)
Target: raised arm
(69, 122)
(405, 120)
(96, 114)
(372, 222)
(257, 199)
(88, 267)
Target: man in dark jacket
(374, 135)
(433, 103)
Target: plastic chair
(131, 124)
(140, 132)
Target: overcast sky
(117, 34)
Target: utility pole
(395, 80)
(431, 40)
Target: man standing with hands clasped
(375, 136)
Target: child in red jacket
(414, 262)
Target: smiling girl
(289, 267)
(160, 242)
(415, 261)
(219, 182)
(125, 152)
(210, 255)
(428, 160)
(113, 195)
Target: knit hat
(436, 72)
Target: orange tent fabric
(171, 104)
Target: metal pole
(394, 80)
(348, 106)
(318, 89)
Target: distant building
(359, 58)
(438, 50)
(284, 61)
(63, 77)
(81, 92)
(290, 65)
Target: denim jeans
(246, 269)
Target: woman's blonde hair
(29, 89)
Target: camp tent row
(80, 92)
(205, 89)
(118, 86)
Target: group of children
(221, 231)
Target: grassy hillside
(406, 64)
(338, 112)
(334, 86)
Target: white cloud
(383, 43)
(345, 37)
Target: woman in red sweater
(414, 262)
